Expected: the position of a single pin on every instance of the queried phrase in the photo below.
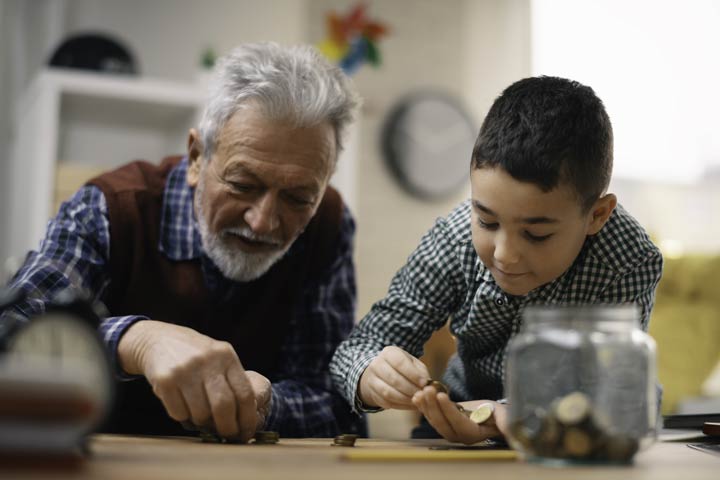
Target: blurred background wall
(470, 49)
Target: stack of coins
(266, 438)
(571, 429)
(344, 440)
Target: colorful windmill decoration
(352, 39)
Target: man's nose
(506, 251)
(263, 216)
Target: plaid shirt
(444, 278)
(76, 251)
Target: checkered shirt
(75, 254)
(445, 279)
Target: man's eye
(300, 201)
(486, 225)
(242, 187)
(537, 238)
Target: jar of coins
(581, 385)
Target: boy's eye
(486, 225)
(537, 238)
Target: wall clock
(427, 141)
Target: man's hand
(196, 377)
(391, 379)
(263, 396)
(452, 424)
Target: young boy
(539, 229)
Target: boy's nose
(506, 252)
(262, 216)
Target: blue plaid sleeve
(73, 255)
(304, 402)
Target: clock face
(71, 347)
(427, 142)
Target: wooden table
(141, 458)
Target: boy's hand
(452, 424)
(391, 379)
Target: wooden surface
(141, 458)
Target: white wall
(655, 65)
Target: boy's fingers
(408, 366)
(467, 430)
(389, 395)
(434, 414)
(392, 376)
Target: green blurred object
(373, 55)
(208, 58)
(686, 326)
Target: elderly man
(228, 272)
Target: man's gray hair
(294, 84)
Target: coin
(344, 440)
(209, 437)
(577, 442)
(620, 448)
(573, 408)
(482, 413)
(438, 386)
(266, 437)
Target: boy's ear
(600, 212)
(194, 151)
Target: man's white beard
(230, 260)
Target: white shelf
(96, 119)
(145, 91)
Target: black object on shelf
(97, 52)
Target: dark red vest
(252, 316)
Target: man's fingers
(173, 402)
(244, 401)
(197, 402)
(222, 406)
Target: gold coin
(573, 408)
(345, 440)
(577, 442)
(482, 413)
(266, 437)
(438, 386)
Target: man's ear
(195, 158)
(600, 212)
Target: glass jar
(581, 385)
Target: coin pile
(571, 429)
(266, 438)
(344, 440)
